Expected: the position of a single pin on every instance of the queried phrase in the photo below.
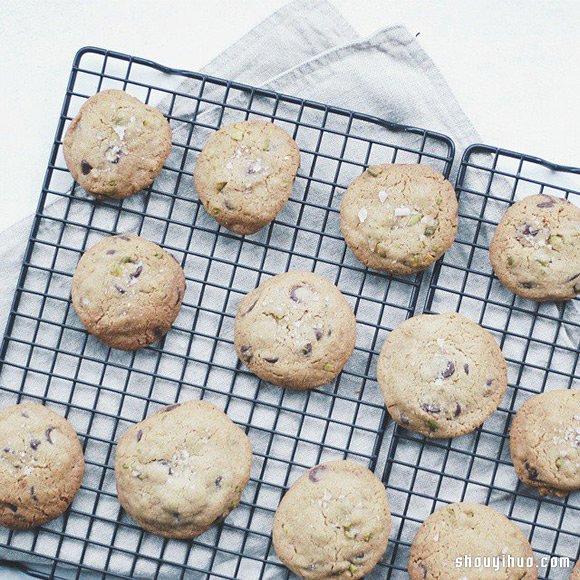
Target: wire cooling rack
(48, 357)
(540, 343)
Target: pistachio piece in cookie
(455, 540)
(399, 218)
(334, 522)
(441, 375)
(127, 291)
(41, 465)
(545, 442)
(535, 251)
(182, 469)
(116, 145)
(295, 330)
(244, 174)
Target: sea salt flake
(382, 196)
(402, 211)
(120, 130)
(362, 214)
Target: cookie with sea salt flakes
(441, 375)
(399, 218)
(116, 145)
(41, 465)
(535, 251)
(244, 174)
(182, 469)
(127, 291)
(334, 522)
(545, 442)
(295, 330)
(472, 535)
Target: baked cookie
(399, 218)
(41, 465)
(470, 533)
(182, 469)
(333, 522)
(295, 330)
(244, 174)
(116, 145)
(575, 574)
(545, 442)
(127, 291)
(441, 375)
(535, 250)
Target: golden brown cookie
(399, 218)
(469, 534)
(182, 469)
(535, 251)
(333, 522)
(127, 291)
(295, 330)
(441, 375)
(41, 465)
(116, 145)
(244, 174)
(545, 442)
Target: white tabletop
(512, 64)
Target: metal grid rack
(540, 343)
(48, 357)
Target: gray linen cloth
(305, 49)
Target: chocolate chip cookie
(545, 442)
(469, 534)
(399, 218)
(244, 174)
(535, 251)
(41, 465)
(333, 522)
(182, 469)
(295, 330)
(441, 375)
(127, 291)
(116, 145)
